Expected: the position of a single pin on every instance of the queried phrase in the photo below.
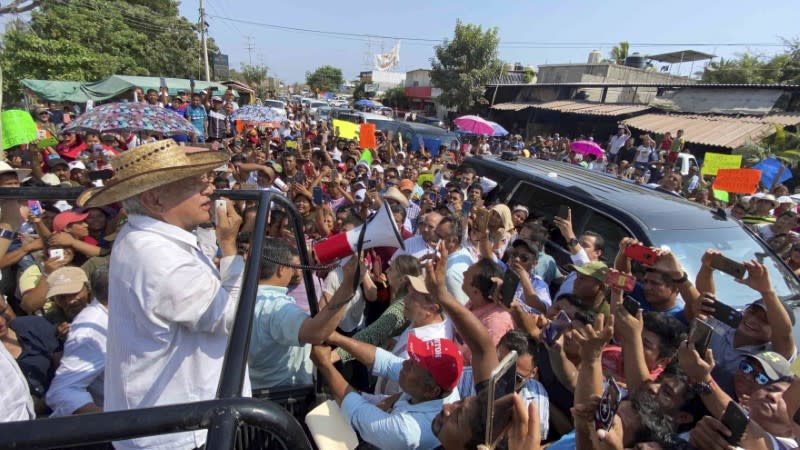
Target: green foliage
(783, 145)
(749, 68)
(255, 77)
(620, 52)
(463, 66)
(360, 91)
(530, 74)
(395, 98)
(87, 40)
(324, 79)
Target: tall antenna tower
(369, 55)
(250, 47)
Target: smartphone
(563, 211)
(56, 253)
(101, 175)
(35, 207)
(729, 266)
(432, 197)
(642, 254)
(502, 383)
(631, 305)
(727, 314)
(735, 418)
(218, 204)
(317, 194)
(509, 287)
(465, 210)
(557, 327)
(372, 185)
(620, 280)
(451, 166)
(162, 82)
(700, 335)
(609, 404)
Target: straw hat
(150, 166)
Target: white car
(276, 105)
(313, 105)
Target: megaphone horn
(381, 231)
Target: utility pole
(203, 39)
(250, 48)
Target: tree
(324, 79)
(73, 41)
(360, 91)
(463, 66)
(783, 68)
(620, 52)
(396, 98)
(529, 74)
(255, 77)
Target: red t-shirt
(614, 364)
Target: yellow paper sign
(716, 161)
(423, 177)
(347, 130)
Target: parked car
(276, 105)
(435, 121)
(617, 209)
(313, 105)
(414, 132)
(324, 112)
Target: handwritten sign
(18, 128)
(366, 155)
(737, 181)
(291, 144)
(423, 177)
(716, 161)
(347, 130)
(367, 135)
(721, 195)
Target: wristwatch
(682, 279)
(701, 387)
(573, 242)
(7, 234)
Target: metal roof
(681, 56)
(591, 109)
(786, 119)
(720, 131)
(679, 82)
(512, 106)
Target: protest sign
(716, 161)
(18, 128)
(423, 177)
(367, 135)
(347, 130)
(737, 181)
(721, 195)
(770, 169)
(366, 155)
(291, 144)
(48, 142)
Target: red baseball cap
(62, 220)
(440, 357)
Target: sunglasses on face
(760, 377)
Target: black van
(616, 209)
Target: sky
(536, 23)
(531, 32)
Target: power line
(516, 44)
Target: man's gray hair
(99, 284)
(132, 205)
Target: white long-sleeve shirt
(15, 398)
(79, 378)
(170, 313)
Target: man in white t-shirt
(618, 140)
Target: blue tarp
(769, 170)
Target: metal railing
(223, 417)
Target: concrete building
(382, 81)
(422, 94)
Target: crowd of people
(125, 298)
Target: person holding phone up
(765, 324)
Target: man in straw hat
(172, 309)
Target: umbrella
(474, 124)
(586, 148)
(367, 102)
(126, 117)
(498, 129)
(255, 113)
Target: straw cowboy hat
(150, 166)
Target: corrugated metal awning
(786, 119)
(512, 106)
(720, 131)
(591, 109)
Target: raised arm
(777, 316)
(475, 335)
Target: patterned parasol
(255, 113)
(125, 116)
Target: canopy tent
(681, 56)
(57, 91)
(60, 91)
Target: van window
(545, 204)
